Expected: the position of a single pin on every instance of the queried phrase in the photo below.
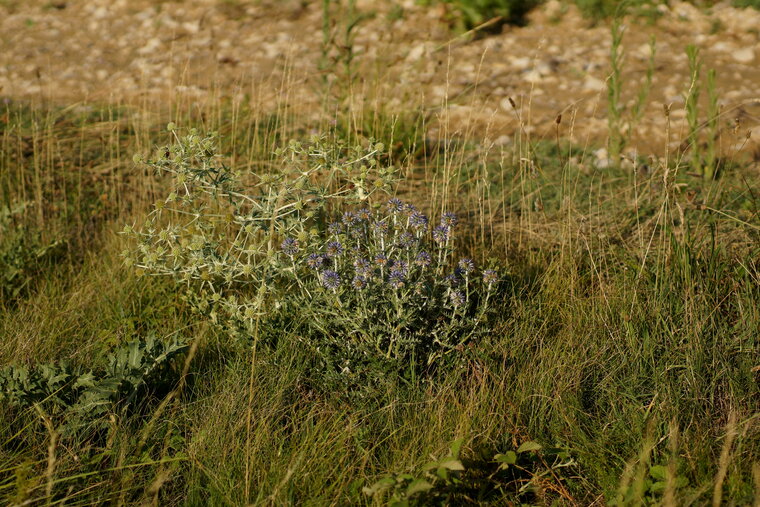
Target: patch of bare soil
(405, 57)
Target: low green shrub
(77, 399)
(529, 474)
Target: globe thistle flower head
(490, 276)
(395, 205)
(380, 227)
(452, 279)
(423, 259)
(349, 218)
(409, 209)
(359, 282)
(396, 279)
(466, 266)
(400, 267)
(457, 298)
(441, 234)
(289, 246)
(448, 219)
(356, 230)
(418, 220)
(315, 261)
(362, 266)
(364, 214)
(330, 279)
(333, 249)
(381, 260)
(406, 240)
(335, 228)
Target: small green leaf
(528, 447)
(508, 458)
(658, 472)
(379, 486)
(456, 447)
(451, 463)
(418, 486)
(85, 380)
(430, 466)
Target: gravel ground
(406, 57)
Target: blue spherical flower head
(400, 266)
(423, 259)
(406, 240)
(441, 234)
(395, 205)
(448, 219)
(417, 220)
(364, 214)
(466, 266)
(381, 260)
(490, 277)
(333, 249)
(330, 279)
(410, 209)
(359, 282)
(315, 261)
(362, 266)
(356, 231)
(453, 279)
(349, 218)
(380, 227)
(335, 228)
(289, 246)
(457, 298)
(396, 279)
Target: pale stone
(593, 84)
(532, 76)
(744, 55)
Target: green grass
(627, 330)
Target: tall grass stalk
(692, 107)
(621, 121)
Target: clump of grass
(622, 122)
(703, 162)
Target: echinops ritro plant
(368, 280)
